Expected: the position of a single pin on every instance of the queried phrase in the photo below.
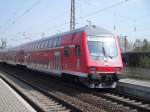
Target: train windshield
(102, 47)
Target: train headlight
(92, 68)
(118, 69)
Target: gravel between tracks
(86, 101)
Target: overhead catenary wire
(88, 15)
(22, 15)
(95, 12)
(91, 14)
(27, 11)
(14, 14)
(104, 9)
(63, 14)
(60, 16)
(55, 18)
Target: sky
(26, 20)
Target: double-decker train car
(90, 54)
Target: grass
(137, 73)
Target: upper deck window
(42, 45)
(36, 45)
(58, 41)
(39, 44)
(54, 42)
(49, 43)
(46, 44)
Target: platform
(134, 87)
(136, 82)
(10, 101)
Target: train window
(49, 43)
(58, 41)
(42, 43)
(36, 45)
(39, 44)
(32, 46)
(29, 47)
(54, 42)
(66, 51)
(77, 50)
(46, 43)
(42, 46)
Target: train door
(77, 54)
(28, 59)
(57, 62)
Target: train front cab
(104, 61)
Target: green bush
(144, 62)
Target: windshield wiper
(104, 51)
(110, 56)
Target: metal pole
(72, 18)
(125, 44)
(126, 59)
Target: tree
(125, 44)
(2, 44)
(137, 45)
(145, 46)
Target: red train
(90, 54)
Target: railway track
(69, 104)
(84, 99)
(38, 98)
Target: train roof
(89, 29)
(95, 30)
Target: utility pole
(3, 44)
(125, 44)
(72, 18)
(89, 22)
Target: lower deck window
(66, 52)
